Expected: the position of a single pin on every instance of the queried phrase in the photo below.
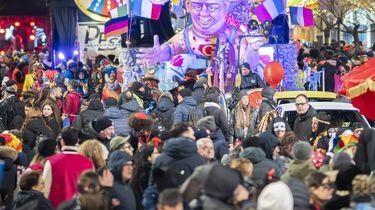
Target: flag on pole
(146, 9)
(116, 26)
(119, 11)
(301, 16)
(269, 10)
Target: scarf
(243, 117)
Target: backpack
(195, 114)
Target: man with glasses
(302, 124)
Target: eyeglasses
(300, 104)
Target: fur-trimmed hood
(8, 152)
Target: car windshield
(339, 118)
(293, 100)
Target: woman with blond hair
(242, 117)
(34, 128)
(93, 150)
(245, 167)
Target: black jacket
(329, 76)
(220, 119)
(84, 118)
(250, 81)
(165, 111)
(32, 129)
(31, 200)
(179, 149)
(302, 125)
(10, 108)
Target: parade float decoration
(222, 34)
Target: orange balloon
(273, 73)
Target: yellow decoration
(362, 88)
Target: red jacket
(66, 169)
(71, 105)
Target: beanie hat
(302, 151)
(245, 66)
(110, 102)
(101, 123)
(200, 133)
(300, 192)
(185, 92)
(345, 177)
(136, 85)
(95, 104)
(224, 183)
(276, 195)
(242, 94)
(207, 123)
(268, 92)
(341, 160)
(118, 141)
(47, 147)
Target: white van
(343, 115)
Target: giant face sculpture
(208, 16)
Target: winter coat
(31, 200)
(53, 125)
(94, 110)
(266, 106)
(250, 81)
(221, 146)
(212, 109)
(56, 108)
(35, 126)
(122, 190)
(363, 156)
(165, 110)
(302, 124)
(8, 155)
(261, 165)
(239, 132)
(329, 78)
(298, 169)
(179, 149)
(10, 108)
(198, 93)
(119, 119)
(71, 104)
(268, 143)
(209, 203)
(181, 113)
(129, 108)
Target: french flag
(301, 16)
(270, 9)
(146, 9)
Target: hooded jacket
(8, 155)
(220, 119)
(261, 165)
(179, 149)
(31, 199)
(181, 113)
(267, 103)
(268, 143)
(165, 110)
(302, 124)
(94, 110)
(71, 104)
(122, 190)
(198, 91)
(363, 156)
(298, 169)
(119, 117)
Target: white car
(342, 114)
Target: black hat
(10, 83)
(246, 66)
(47, 147)
(110, 102)
(185, 92)
(101, 123)
(10, 90)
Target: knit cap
(302, 151)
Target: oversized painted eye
(196, 6)
(213, 7)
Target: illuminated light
(32, 37)
(17, 24)
(2, 31)
(75, 52)
(2, 52)
(32, 23)
(61, 56)
(33, 31)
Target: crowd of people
(76, 138)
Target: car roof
(321, 105)
(309, 94)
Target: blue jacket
(120, 120)
(182, 113)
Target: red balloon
(273, 73)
